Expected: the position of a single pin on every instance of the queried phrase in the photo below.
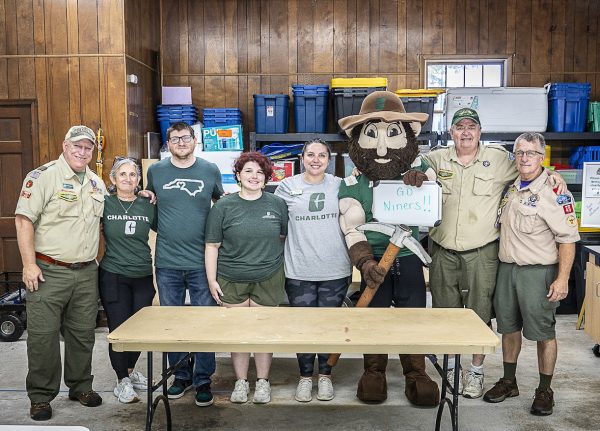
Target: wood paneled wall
(229, 50)
(70, 55)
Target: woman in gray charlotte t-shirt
(317, 267)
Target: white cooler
(502, 109)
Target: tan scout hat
(381, 105)
(77, 133)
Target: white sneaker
(450, 376)
(304, 390)
(325, 392)
(138, 380)
(473, 384)
(125, 393)
(240, 392)
(262, 392)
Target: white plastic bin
(502, 109)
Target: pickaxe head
(400, 235)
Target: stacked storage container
(422, 100)
(310, 108)
(567, 106)
(348, 94)
(594, 117)
(222, 129)
(170, 114)
(271, 113)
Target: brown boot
(420, 389)
(372, 386)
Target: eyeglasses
(186, 139)
(470, 128)
(529, 153)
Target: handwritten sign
(590, 196)
(395, 202)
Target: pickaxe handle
(366, 297)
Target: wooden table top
(289, 330)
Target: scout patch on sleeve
(25, 194)
(445, 174)
(568, 208)
(35, 174)
(563, 199)
(68, 196)
(28, 184)
(571, 220)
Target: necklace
(130, 205)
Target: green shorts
(520, 300)
(269, 292)
(460, 279)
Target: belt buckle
(77, 265)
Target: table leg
(452, 404)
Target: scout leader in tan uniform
(465, 246)
(57, 219)
(537, 247)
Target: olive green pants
(464, 279)
(68, 298)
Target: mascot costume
(383, 146)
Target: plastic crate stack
(349, 93)
(581, 155)
(222, 129)
(567, 106)
(422, 100)
(171, 114)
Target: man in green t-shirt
(383, 146)
(184, 186)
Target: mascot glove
(361, 256)
(414, 178)
(373, 273)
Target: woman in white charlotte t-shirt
(317, 267)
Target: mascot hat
(381, 105)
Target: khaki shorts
(520, 300)
(269, 292)
(464, 279)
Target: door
(16, 160)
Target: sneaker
(204, 396)
(40, 411)
(240, 392)
(125, 393)
(450, 377)
(325, 392)
(304, 390)
(543, 402)
(138, 380)
(473, 385)
(262, 392)
(88, 399)
(503, 389)
(178, 388)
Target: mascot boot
(372, 386)
(420, 389)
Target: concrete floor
(576, 385)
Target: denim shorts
(269, 292)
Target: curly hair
(254, 156)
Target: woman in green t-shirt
(244, 238)
(125, 275)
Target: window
(453, 71)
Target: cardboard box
(281, 170)
(177, 95)
(223, 138)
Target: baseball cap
(465, 113)
(77, 133)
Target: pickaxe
(400, 236)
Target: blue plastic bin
(310, 108)
(217, 117)
(271, 113)
(567, 106)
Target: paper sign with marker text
(395, 202)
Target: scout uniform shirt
(533, 220)
(470, 195)
(65, 213)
